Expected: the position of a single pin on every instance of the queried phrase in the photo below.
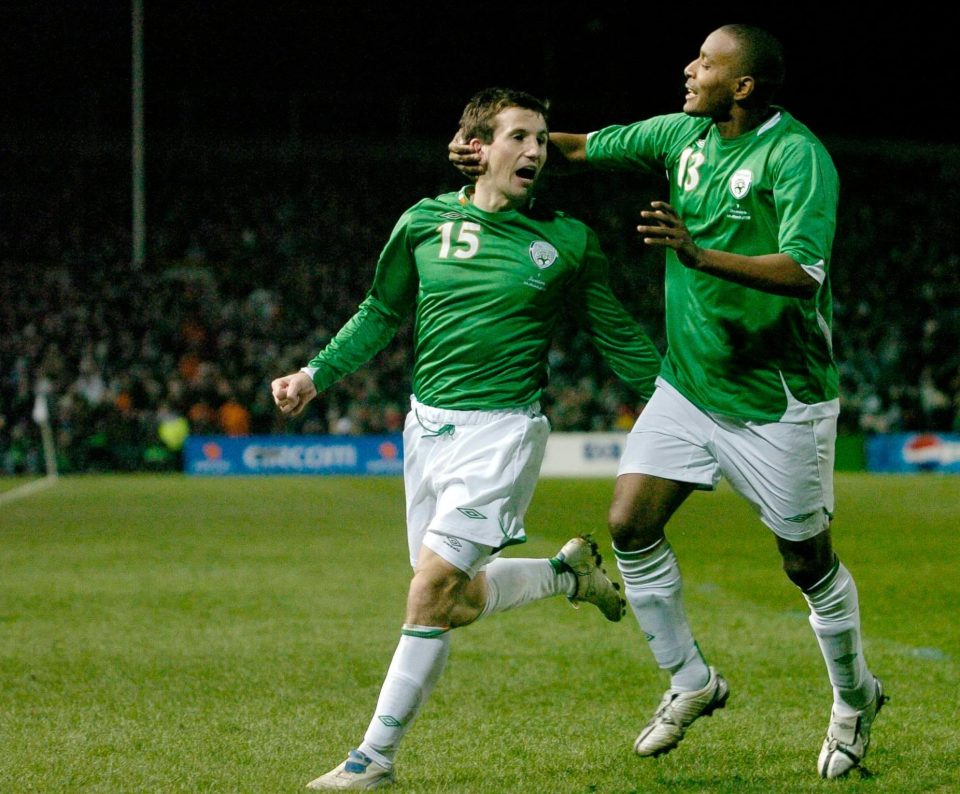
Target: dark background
(284, 139)
(314, 68)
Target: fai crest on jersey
(740, 183)
(543, 254)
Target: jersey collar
(465, 199)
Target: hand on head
(464, 158)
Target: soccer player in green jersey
(748, 388)
(487, 273)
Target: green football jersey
(488, 289)
(731, 349)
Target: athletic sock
(417, 664)
(514, 582)
(835, 618)
(652, 587)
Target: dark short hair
(478, 119)
(761, 57)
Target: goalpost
(41, 415)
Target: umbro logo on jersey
(543, 254)
(452, 215)
(469, 512)
(740, 183)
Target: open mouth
(528, 173)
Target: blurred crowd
(258, 253)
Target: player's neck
(743, 120)
(488, 199)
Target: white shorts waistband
(454, 417)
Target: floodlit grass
(169, 634)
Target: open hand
(664, 227)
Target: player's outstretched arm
(291, 393)
(568, 146)
(571, 146)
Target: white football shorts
(784, 470)
(470, 475)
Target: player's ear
(744, 88)
(478, 148)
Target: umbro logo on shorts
(469, 512)
(799, 519)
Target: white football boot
(580, 555)
(358, 773)
(677, 711)
(848, 738)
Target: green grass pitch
(174, 634)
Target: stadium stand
(259, 251)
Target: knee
(799, 573)
(632, 528)
(432, 598)
(621, 526)
(806, 571)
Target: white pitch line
(23, 491)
